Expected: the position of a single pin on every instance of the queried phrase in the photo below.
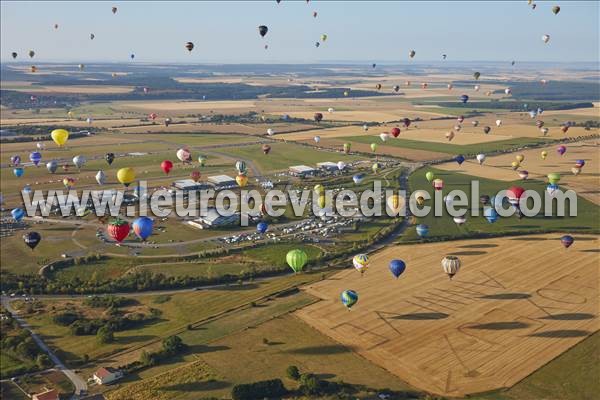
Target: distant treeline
(38, 133)
(472, 106)
(552, 91)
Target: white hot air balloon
(480, 158)
(477, 87)
(365, 127)
(546, 38)
(101, 177)
(79, 161)
(460, 220)
(384, 137)
(498, 122)
(40, 145)
(341, 165)
(450, 265)
(507, 91)
(330, 110)
(270, 132)
(317, 139)
(89, 120)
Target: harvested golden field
(516, 304)
(499, 167)
(180, 105)
(593, 112)
(86, 89)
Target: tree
(293, 372)
(173, 344)
(146, 359)
(43, 361)
(105, 335)
(309, 384)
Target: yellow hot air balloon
(520, 158)
(544, 154)
(322, 201)
(515, 165)
(319, 189)
(242, 180)
(60, 136)
(126, 176)
(395, 203)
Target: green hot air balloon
(553, 178)
(296, 259)
(202, 160)
(429, 175)
(476, 75)
(347, 147)
(373, 147)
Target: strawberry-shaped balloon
(118, 229)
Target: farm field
(487, 328)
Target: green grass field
(470, 149)
(444, 227)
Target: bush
(43, 361)
(259, 390)
(105, 335)
(66, 318)
(293, 372)
(309, 384)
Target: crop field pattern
(516, 304)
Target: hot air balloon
(262, 227)
(486, 129)
(412, 53)
(539, 123)
(514, 194)
(419, 195)
(349, 298)
(26, 189)
(450, 135)
(266, 148)
(507, 91)
(166, 166)
(460, 120)
(319, 189)
(118, 229)
(262, 30)
(384, 136)
(52, 166)
(544, 131)
(450, 86)
(523, 174)
(318, 117)
(341, 165)
(132, 56)
(480, 158)
(422, 230)
(553, 177)
(464, 98)
(460, 220)
(241, 180)
(114, 10)
(32, 239)
(476, 88)
(476, 75)
(490, 214)
(579, 163)
(429, 176)
(202, 160)
(18, 171)
(561, 150)
(397, 267)
(142, 227)
(484, 199)
(152, 116)
(375, 167)
(347, 147)
(564, 128)
(544, 154)
(270, 132)
(189, 46)
(241, 166)
(317, 139)
(438, 184)
(68, 182)
(15, 160)
(576, 171)
(546, 38)
(378, 86)
(520, 158)
(125, 176)
(60, 136)
(296, 259)
(109, 157)
(92, 36)
(195, 175)
(358, 178)
(79, 161)
(89, 120)
(457, 128)
(101, 177)
(393, 203)
(17, 214)
(551, 188)
(373, 147)
(450, 265)
(567, 241)
(459, 159)
(361, 262)
(31, 53)
(35, 157)
(424, 85)
(323, 37)
(395, 132)
(184, 155)
(33, 68)
(498, 122)
(317, 44)
(396, 88)
(14, 54)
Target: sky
(363, 31)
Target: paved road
(78, 382)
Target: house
(190, 184)
(104, 376)
(302, 171)
(328, 166)
(222, 181)
(47, 395)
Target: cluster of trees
(523, 105)
(171, 346)
(21, 134)
(273, 388)
(589, 124)
(18, 343)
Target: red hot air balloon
(395, 132)
(166, 166)
(514, 195)
(318, 117)
(196, 175)
(118, 229)
(152, 116)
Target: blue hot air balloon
(397, 267)
(459, 159)
(15, 160)
(464, 98)
(27, 189)
(358, 178)
(349, 298)
(35, 157)
(422, 230)
(17, 214)
(18, 172)
(490, 214)
(567, 241)
(262, 227)
(142, 227)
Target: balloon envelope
(349, 298)
(262, 227)
(142, 227)
(296, 259)
(32, 239)
(397, 267)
